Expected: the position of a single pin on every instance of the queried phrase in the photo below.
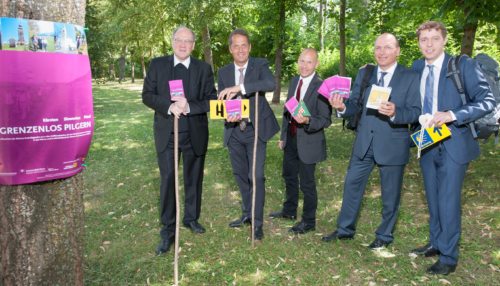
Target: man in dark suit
(247, 77)
(304, 144)
(382, 138)
(444, 164)
(198, 83)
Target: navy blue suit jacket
(390, 139)
(461, 146)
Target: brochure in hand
(176, 89)
(335, 85)
(378, 95)
(294, 107)
(430, 136)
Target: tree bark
(41, 224)
(321, 25)
(468, 38)
(280, 42)
(342, 39)
(121, 65)
(143, 65)
(207, 47)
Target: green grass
(122, 224)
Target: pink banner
(46, 115)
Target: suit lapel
(193, 75)
(295, 81)
(442, 78)
(310, 92)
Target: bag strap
(455, 74)
(369, 68)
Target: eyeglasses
(180, 41)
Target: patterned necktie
(429, 91)
(381, 80)
(243, 123)
(293, 123)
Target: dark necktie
(381, 80)
(293, 123)
(429, 91)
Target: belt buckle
(243, 125)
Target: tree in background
(41, 225)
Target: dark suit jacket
(258, 80)
(461, 146)
(156, 95)
(391, 139)
(311, 142)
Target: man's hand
(300, 118)
(176, 110)
(387, 108)
(281, 144)
(233, 118)
(441, 117)
(337, 102)
(182, 104)
(229, 92)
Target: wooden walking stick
(177, 208)
(254, 163)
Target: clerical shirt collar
(186, 62)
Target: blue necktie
(381, 80)
(429, 91)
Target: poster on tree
(46, 113)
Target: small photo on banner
(41, 36)
(431, 136)
(14, 34)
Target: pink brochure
(339, 84)
(233, 107)
(291, 104)
(176, 89)
(323, 90)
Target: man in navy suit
(444, 164)
(248, 77)
(304, 144)
(191, 111)
(382, 138)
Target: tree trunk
(342, 40)
(321, 25)
(111, 71)
(121, 65)
(207, 47)
(143, 65)
(41, 224)
(132, 72)
(280, 42)
(468, 38)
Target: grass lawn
(122, 220)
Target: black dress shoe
(164, 245)
(441, 268)
(281, 214)
(302, 227)
(259, 233)
(427, 250)
(195, 227)
(241, 221)
(336, 236)
(378, 243)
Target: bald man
(382, 139)
(304, 144)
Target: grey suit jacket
(258, 80)
(390, 139)
(311, 142)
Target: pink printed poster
(46, 110)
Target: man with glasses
(198, 83)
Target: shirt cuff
(452, 115)
(242, 88)
(340, 113)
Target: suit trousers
(296, 172)
(443, 180)
(193, 181)
(240, 147)
(391, 178)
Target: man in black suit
(382, 139)
(198, 82)
(304, 144)
(247, 77)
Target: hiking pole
(177, 208)
(254, 163)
